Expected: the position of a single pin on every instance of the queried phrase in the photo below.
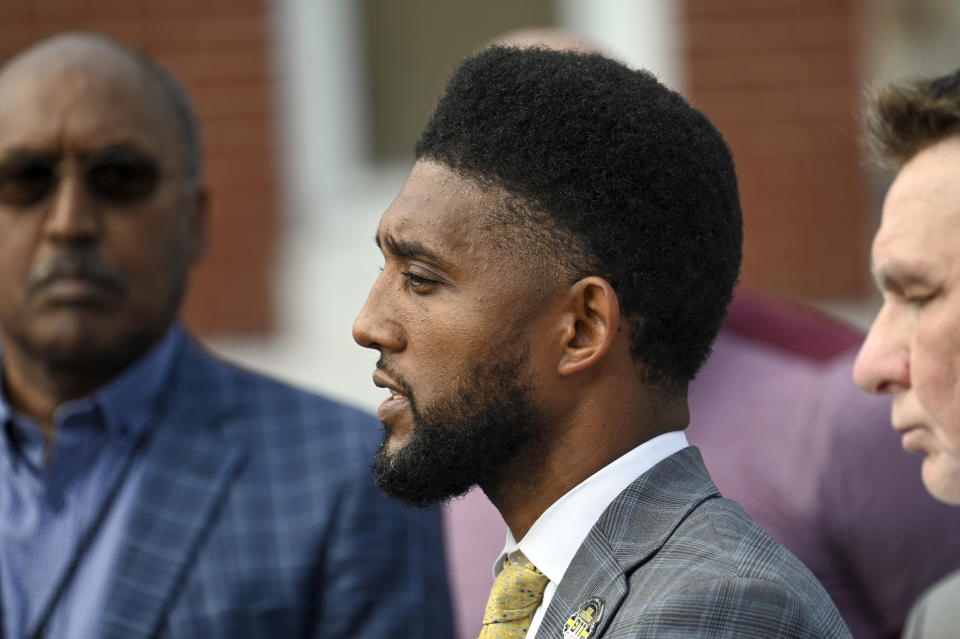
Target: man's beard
(470, 437)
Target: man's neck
(36, 390)
(595, 439)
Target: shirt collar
(6, 413)
(558, 533)
(126, 402)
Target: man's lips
(382, 380)
(394, 404)
(912, 435)
(77, 289)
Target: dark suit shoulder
(266, 413)
(747, 551)
(727, 607)
(672, 558)
(731, 543)
(296, 545)
(720, 575)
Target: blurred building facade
(222, 52)
(309, 111)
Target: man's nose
(376, 325)
(73, 215)
(883, 363)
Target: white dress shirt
(557, 534)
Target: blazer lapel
(188, 469)
(632, 529)
(604, 582)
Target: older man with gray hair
(913, 350)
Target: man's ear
(197, 226)
(591, 324)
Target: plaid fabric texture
(670, 558)
(257, 516)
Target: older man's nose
(73, 215)
(883, 363)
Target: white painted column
(332, 198)
(320, 99)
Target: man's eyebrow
(407, 248)
(898, 276)
(27, 156)
(119, 151)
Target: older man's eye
(124, 181)
(918, 297)
(920, 300)
(26, 184)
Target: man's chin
(941, 477)
(73, 344)
(413, 482)
(394, 442)
(467, 439)
(71, 353)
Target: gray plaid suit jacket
(257, 516)
(671, 558)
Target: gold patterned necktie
(517, 592)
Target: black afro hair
(640, 179)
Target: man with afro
(555, 270)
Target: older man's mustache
(77, 263)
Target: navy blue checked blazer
(670, 558)
(257, 516)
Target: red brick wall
(219, 50)
(780, 80)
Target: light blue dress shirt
(45, 510)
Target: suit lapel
(188, 469)
(631, 530)
(604, 581)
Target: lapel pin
(584, 620)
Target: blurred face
(912, 351)
(455, 322)
(97, 227)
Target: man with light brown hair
(912, 351)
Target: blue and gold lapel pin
(585, 619)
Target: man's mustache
(395, 376)
(74, 263)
